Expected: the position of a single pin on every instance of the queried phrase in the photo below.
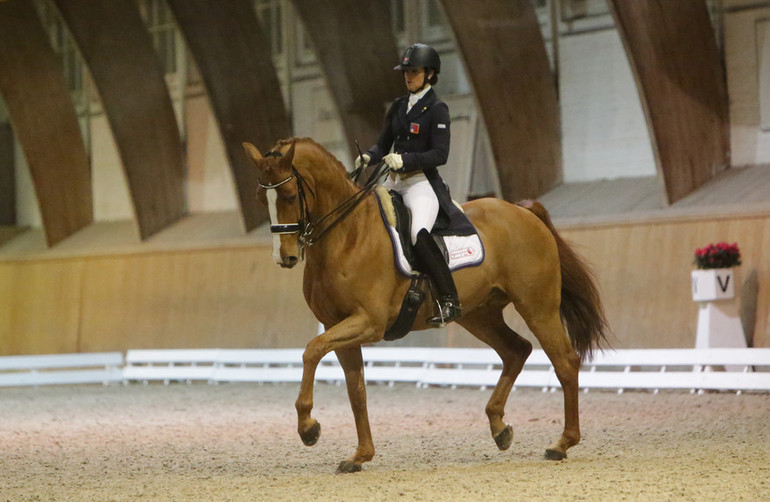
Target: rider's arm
(387, 136)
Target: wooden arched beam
(7, 173)
(119, 54)
(233, 56)
(678, 70)
(356, 47)
(507, 63)
(44, 120)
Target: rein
(310, 232)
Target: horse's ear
(288, 157)
(251, 151)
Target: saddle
(403, 225)
(459, 251)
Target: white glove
(357, 162)
(394, 161)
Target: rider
(417, 130)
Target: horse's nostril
(290, 261)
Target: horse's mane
(316, 146)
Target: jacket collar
(422, 104)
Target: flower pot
(713, 284)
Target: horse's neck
(331, 187)
(331, 191)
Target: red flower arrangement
(722, 255)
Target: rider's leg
(421, 200)
(433, 262)
(422, 203)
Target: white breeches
(419, 197)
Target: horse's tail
(581, 308)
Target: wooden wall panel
(507, 63)
(126, 71)
(358, 52)
(679, 73)
(237, 297)
(44, 120)
(230, 298)
(760, 246)
(40, 307)
(644, 275)
(223, 298)
(233, 56)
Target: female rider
(417, 130)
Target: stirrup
(449, 309)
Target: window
(763, 72)
(419, 21)
(270, 18)
(306, 54)
(397, 15)
(434, 23)
(71, 62)
(160, 24)
(573, 10)
(63, 46)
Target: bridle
(309, 232)
(300, 227)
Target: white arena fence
(61, 369)
(717, 369)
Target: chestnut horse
(352, 286)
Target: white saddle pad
(463, 250)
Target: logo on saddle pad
(460, 254)
(463, 251)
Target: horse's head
(281, 190)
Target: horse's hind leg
(550, 332)
(487, 324)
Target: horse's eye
(292, 198)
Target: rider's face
(414, 78)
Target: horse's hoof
(505, 438)
(554, 454)
(346, 467)
(310, 436)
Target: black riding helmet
(420, 56)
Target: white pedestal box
(719, 320)
(712, 284)
(719, 325)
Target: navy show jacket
(422, 138)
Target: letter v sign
(723, 287)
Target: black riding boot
(435, 265)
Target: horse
(352, 287)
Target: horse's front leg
(351, 332)
(353, 365)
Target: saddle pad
(462, 250)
